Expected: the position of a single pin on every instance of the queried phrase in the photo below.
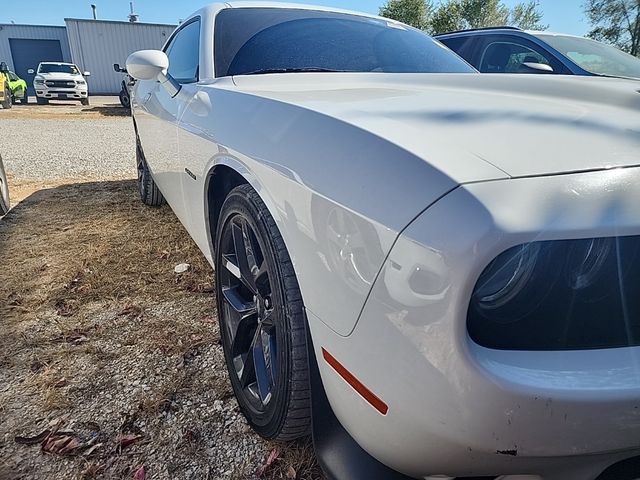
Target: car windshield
(594, 57)
(273, 40)
(58, 68)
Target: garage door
(28, 53)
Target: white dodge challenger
(435, 272)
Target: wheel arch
(223, 176)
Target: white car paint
(444, 171)
(5, 203)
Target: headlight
(559, 295)
(38, 80)
(506, 276)
(80, 82)
(585, 261)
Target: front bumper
(456, 408)
(78, 92)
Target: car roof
(470, 31)
(215, 7)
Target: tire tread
(297, 419)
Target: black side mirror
(118, 68)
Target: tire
(4, 191)
(264, 302)
(84, 101)
(7, 104)
(42, 101)
(125, 101)
(149, 192)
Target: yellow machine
(5, 91)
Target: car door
(159, 114)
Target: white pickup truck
(60, 81)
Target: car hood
(475, 127)
(60, 76)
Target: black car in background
(511, 50)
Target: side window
(184, 53)
(507, 54)
(463, 46)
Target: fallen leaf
(209, 319)
(61, 444)
(291, 472)
(71, 446)
(139, 474)
(125, 440)
(273, 456)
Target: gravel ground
(89, 148)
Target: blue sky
(562, 15)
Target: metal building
(24, 46)
(97, 44)
(93, 45)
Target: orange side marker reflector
(364, 392)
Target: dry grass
(66, 110)
(97, 328)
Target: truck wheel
(84, 101)
(125, 101)
(42, 101)
(150, 194)
(261, 316)
(7, 97)
(4, 191)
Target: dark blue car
(511, 50)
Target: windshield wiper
(293, 70)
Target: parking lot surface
(102, 344)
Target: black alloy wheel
(149, 192)
(261, 318)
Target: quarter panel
(339, 195)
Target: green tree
(616, 22)
(451, 15)
(527, 16)
(416, 13)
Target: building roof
(91, 20)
